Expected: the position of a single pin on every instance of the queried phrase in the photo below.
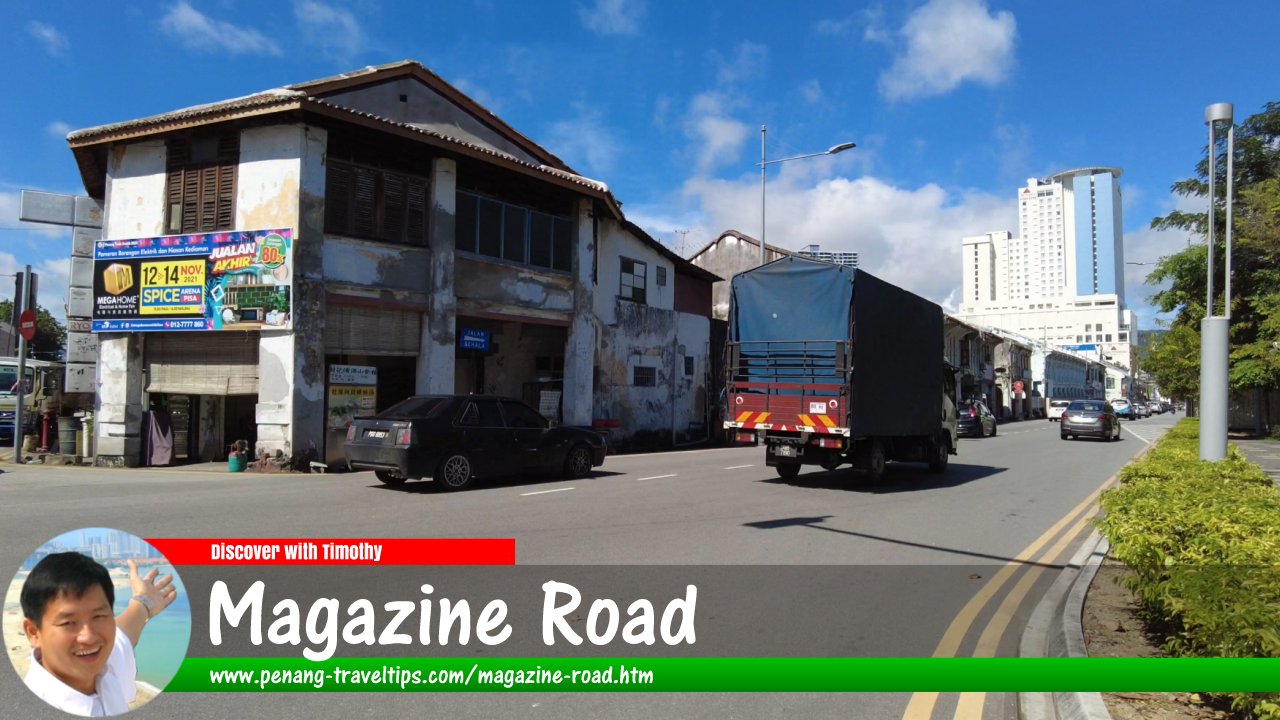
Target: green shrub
(1203, 542)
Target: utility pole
(20, 305)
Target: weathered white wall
(268, 195)
(436, 370)
(693, 340)
(726, 257)
(133, 207)
(134, 204)
(580, 386)
(615, 243)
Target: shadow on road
(427, 486)
(817, 523)
(898, 478)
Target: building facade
(368, 237)
(816, 252)
(1061, 280)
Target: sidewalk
(1264, 452)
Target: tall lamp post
(1214, 329)
(765, 163)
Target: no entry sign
(27, 324)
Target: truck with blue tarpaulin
(829, 365)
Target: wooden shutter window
(200, 183)
(375, 204)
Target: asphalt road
(955, 562)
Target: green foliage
(51, 336)
(1203, 542)
(1255, 276)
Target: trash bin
(235, 459)
(68, 427)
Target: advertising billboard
(236, 280)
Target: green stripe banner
(728, 675)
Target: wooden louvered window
(375, 204)
(200, 183)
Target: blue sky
(953, 103)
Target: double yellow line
(970, 705)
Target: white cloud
(584, 142)
(811, 91)
(908, 236)
(200, 33)
(58, 129)
(335, 32)
(477, 93)
(748, 61)
(716, 137)
(949, 42)
(54, 41)
(837, 27)
(613, 17)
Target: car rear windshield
(1080, 406)
(414, 407)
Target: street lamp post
(1214, 329)
(765, 163)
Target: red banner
(337, 551)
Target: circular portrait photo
(96, 622)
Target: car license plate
(785, 451)
(375, 434)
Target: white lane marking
(656, 477)
(1131, 432)
(544, 492)
(739, 467)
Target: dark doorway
(240, 421)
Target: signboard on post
(240, 280)
(27, 324)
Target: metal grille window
(632, 282)
(514, 233)
(375, 204)
(688, 366)
(644, 376)
(661, 276)
(200, 182)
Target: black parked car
(975, 419)
(457, 438)
(1093, 418)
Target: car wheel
(788, 471)
(577, 464)
(386, 477)
(941, 455)
(994, 429)
(1063, 436)
(454, 472)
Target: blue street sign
(472, 339)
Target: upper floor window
(375, 204)
(200, 182)
(513, 232)
(632, 283)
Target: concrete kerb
(1055, 630)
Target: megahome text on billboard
(237, 280)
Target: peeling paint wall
(580, 345)
(135, 191)
(378, 265)
(133, 207)
(653, 335)
(514, 286)
(727, 257)
(268, 194)
(436, 364)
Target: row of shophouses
(273, 264)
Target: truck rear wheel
(940, 454)
(787, 471)
(873, 460)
